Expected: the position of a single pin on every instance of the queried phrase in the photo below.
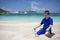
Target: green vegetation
(3, 11)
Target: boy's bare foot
(35, 32)
(36, 35)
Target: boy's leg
(41, 31)
(50, 31)
(48, 34)
(36, 34)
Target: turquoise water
(26, 18)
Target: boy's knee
(47, 34)
(38, 33)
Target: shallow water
(26, 18)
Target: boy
(48, 22)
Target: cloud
(34, 7)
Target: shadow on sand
(51, 35)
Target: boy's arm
(51, 24)
(39, 24)
(49, 27)
(37, 27)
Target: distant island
(27, 12)
(3, 11)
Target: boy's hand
(37, 27)
(34, 28)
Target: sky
(36, 5)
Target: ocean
(27, 17)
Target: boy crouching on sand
(48, 22)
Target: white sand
(10, 30)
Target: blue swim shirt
(46, 22)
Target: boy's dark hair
(47, 12)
